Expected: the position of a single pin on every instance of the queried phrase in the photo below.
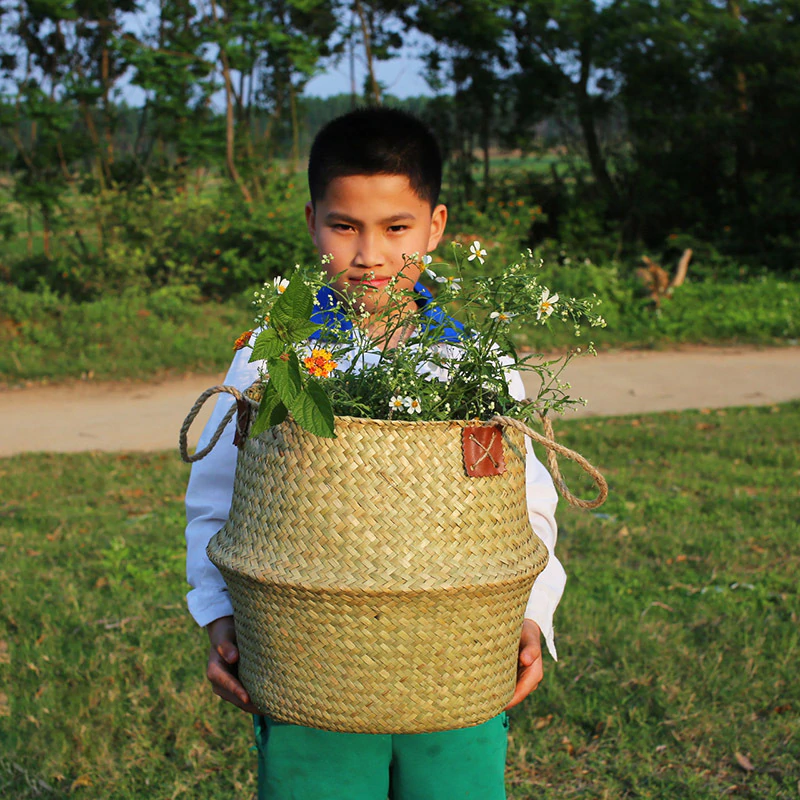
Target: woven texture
(377, 588)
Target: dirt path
(147, 416)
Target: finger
(228, 651)
(235, 701)
(529, 654)
(527, 681)
(226, 685)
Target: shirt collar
(328, 315)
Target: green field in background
(678, 632)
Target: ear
(438, 223)
(311, 221)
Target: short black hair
(376, 141)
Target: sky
(401, 77)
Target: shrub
(151, 236)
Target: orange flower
(320, 363)
(242, 340)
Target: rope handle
(242, 402)
(245, 404)
(554, 449)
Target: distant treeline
(672, 117)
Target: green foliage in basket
(450, 361)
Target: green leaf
(267, 345)
(295, 304)
(284, 373)
(312, 410)
(271, 411)
(299, 332)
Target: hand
(530, 668)
(223, 655)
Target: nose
(369, 253)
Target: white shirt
(210, 490)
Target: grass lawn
(678, 633)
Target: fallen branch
(656, 280)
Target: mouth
(370, 283)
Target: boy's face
(368, 223)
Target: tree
(471, 57)
(35, 112)
(178, 77)
(562, 52)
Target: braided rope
(187, 423)
(554, 449)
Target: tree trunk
(376, 89)
(295, 125)
(46, 232)
(102, 167)
(352, 54)
(104, 176)
(30, 231)
(62, 161)
(229, 121)
(741, 81)
(137, 143)
(486, 126)
(104, 69)
(586, 120)
(742, 145)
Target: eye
(341, 226)
(398, 228)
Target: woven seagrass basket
(376, 587)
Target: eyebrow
(337, 216)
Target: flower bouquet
(378, 551)
(450, 362)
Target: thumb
(527, 656)
(229, 652)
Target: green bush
(758, 311)
(131, 335)
(152, 236)
(502, 223)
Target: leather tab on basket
(242, 422)
(483, 451)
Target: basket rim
(349, 420)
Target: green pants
(298, 763)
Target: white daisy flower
(280, 284)
(455, 283)
(546, 304)
(397, 403)
(476, 252)
(412, 404)
(502, 316)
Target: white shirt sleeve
(542, 500)
(208, 501)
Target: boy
(374, 179)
